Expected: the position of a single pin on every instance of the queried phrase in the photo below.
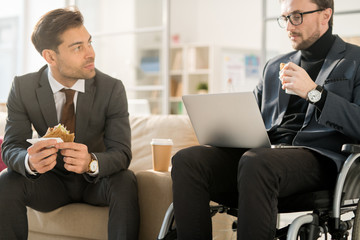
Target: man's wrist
(93, 168)
(28, 167)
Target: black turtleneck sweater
(312, 60)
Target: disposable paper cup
(161, 154)
(286, 90)
(289, 92)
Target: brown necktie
(68, 110)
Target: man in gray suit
(94, 168)
(312, 102)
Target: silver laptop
(227, 120)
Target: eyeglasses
(295, 18)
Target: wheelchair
(327, 208)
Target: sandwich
(282, 65)
(60, 131)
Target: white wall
(230, 22)
(222, 22)
(10, 9)
(184, 19)
(114, 55)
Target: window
(8, 53)
(17, 54)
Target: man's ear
(49, 56)
(327, 13)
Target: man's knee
(11, 186)
(123, 181)
(189, 157)
(254, 162)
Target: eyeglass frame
(288, 17)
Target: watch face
(93, 166)
(314, 96)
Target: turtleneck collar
(320, 48)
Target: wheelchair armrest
(351, 148)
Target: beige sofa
(82, 221)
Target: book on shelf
(177, 61)
(191, 59)
(175, 88)
(150, 64)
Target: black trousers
(251, 179)
(53, 190)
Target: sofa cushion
(145, 128)
(2, 164)
(82, 222)
(76, 220)
(3, 116)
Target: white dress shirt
(60, 99)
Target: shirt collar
(79, 86)
(319, 49)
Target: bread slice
(59, 131)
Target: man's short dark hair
(47, 32)
(323, 4)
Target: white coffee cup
(161, 153)
(289, 91)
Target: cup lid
(161, 141)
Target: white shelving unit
(190, 66)
(193, 65)
(144, 69)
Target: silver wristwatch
(314, 95)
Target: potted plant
(202, 88)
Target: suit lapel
(334, 56)
(46, 100)
(83, 110)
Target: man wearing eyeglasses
(313, 102)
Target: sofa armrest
(155, 196)
(2, 164)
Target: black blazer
(339, 120)
(102, 120)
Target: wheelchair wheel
(356, 226)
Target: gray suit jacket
(339, 120)
(102, 121)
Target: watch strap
(319, 88)
(321, 103)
